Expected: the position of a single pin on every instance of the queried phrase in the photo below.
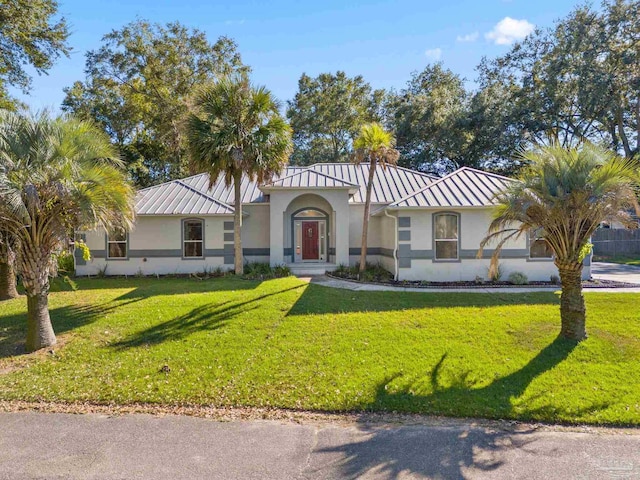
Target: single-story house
(310, 218)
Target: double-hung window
(193, 239)
(445, 226)
(117, 244)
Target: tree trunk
(39, 329)
(237, 224)
(8, 288)
(365, 220)
(572, 308)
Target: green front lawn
(285, 343)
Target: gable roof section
(310, 178)
(178, 198)
(466, 187)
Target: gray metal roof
(310, 178)
(466, 187)
(389, 185)
(194, 195)
(178, 198)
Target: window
(446, 236)
(193, 242)
(117, 244)
(538, 247)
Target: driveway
(92, 446)
(615, 271)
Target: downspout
(395, 247)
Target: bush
(518, 278)
(555, 279)
(497, 274)
(281, 271)
(372, 273)
(66, 265)
(264, 271)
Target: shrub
(281, 271)
(264, 271)
(66, 265)
(497, 274)
(518, 278)
(555, 279)
(372, 273)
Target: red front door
(310, 241)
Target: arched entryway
(308, 219)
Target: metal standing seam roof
(466, 187)
(195, 196)
(389, 185)
(310, 178)
(178, 198)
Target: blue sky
(382, 40)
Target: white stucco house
(310, 218)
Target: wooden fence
(612, 242)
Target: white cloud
(433, 54)
(509, 30)
(469, 37)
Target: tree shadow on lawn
(445, 452)
(211, 316)
(319, 300)
(13, 328)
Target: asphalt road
(91, 446)
(615, 271)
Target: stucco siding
(155, 247)
(416, 255)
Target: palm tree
(8, 288)
(235, 129)
(376, 146)
(56, 174)
(562, 197)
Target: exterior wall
(416, 256)
(388, 233)
(155, 247)
(255, 233)
(356, 215)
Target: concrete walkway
(91, 446)
(600, 271)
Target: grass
(285, 343)
(625, 260)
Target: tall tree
(326, 114)
(562, 197)
(373, 145)
(31, 34)
(578, 80)
(138, 85)
(430, 118)
(56, 174)
(236, 129)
